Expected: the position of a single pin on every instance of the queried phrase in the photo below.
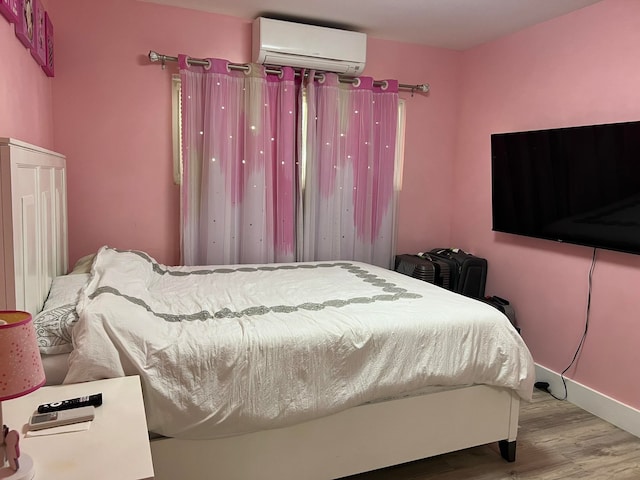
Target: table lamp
(21, 373)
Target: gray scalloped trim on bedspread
(391, 291)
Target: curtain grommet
(385, 85)
(208, 65)
(356, 82)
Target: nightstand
(116, 446)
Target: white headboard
(33, 205)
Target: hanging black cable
(584, 334)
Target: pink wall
(579, 69)
(26, 111)
(112, 120)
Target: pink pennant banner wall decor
(33, 27)
(9, 10)
(48, 41)
(24, 24)
(38, 44)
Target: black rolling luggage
(427, 268)
(468, 272)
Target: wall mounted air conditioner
(277, 42)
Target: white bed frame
(359, 439)
(33, 209)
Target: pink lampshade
(21, 369)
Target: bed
(345, 393)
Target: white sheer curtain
(276, 172)
(238, 192)
(348, 183)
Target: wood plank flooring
(556, 440)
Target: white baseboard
(607, 408)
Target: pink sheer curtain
(272, 177)
(239, 172)
(349, 206)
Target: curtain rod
(157, 57)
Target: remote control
(39, 421)
(85, 401)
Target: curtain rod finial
(156, 57)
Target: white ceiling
(455, 24)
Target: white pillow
(83, 265)
(56, 320)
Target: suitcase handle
(500, 300)
(448, 251)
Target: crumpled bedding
(226, 350)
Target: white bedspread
(233, 349)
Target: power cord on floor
(544, 386)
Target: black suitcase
(468, 272)
(428, 269)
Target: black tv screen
(577, 185)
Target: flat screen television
(578, 185)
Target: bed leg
(508, 450)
